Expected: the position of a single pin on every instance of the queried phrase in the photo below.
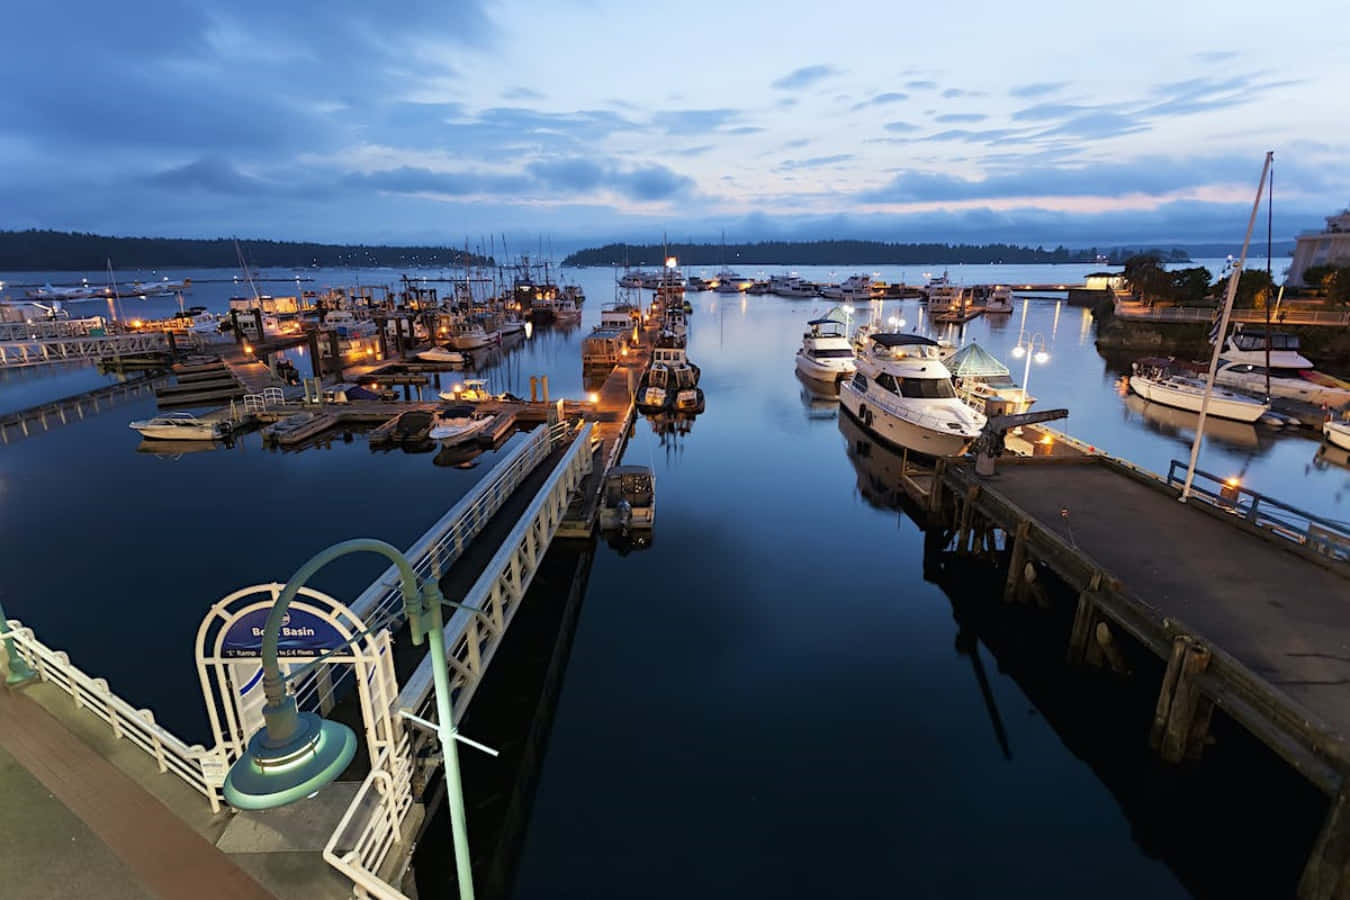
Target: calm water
(770, 700)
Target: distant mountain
(44, 251)
(827, 253)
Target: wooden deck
(1250, 620)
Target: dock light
(671, 262)
(136, 323)
(291, 758)
(1042, 357)
(593, 397)
(248, 349)
(1018, 351)
(1231, 489)
(896, 322)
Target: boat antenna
(1233, 278)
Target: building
(1322, 248)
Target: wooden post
(257, 321)
(1019, 555)
(1082, 628)
(1110, 650)
(963, 534)
(935, 497)
(543, 386)
(534, 388)
(1179, 709)
(1326, 875)
(314, 364)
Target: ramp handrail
(373, 824)
(138, 726)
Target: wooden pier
(46, 416)
(1243, 598)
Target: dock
(1240, 597)
(46, 416)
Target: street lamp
(296, 754)
(848, 315)
(1026, 346)
(896, 322)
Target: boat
(1170, 383)
(684, 373)
(345, 324)
(902, 393)
(632, 279)
(727, 281)
(984, 383)
(181, 426)
(798, 288)
(470, 334)
(854, 289)
(509, 325)
(472, 390)
(565, 309)
(1337, 433)
(826, 354)
(456, 424)
(1180, 424)
(1242, 364)
(621, 317)
(628, 500)
(695, 283)
(293, 429)
(654, 390)
(441, 355)
(995, 300)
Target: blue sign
(303, 633)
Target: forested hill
(45, 251)
(829, 253)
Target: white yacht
(940, 293)
(441, 355)
(729, 282)
(1337, 433)
(826, 354)
(458, 424)
(998, 299)
(798, 288)
(565, 309)
(1160, 381)
(854, 289)
(469, 334)
(903, 394)
(345, 324)
(1242, 364)
(181, 426)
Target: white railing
(1282, 316)
(471, 638)
(14, 354)
(373, 824)
(138, 726)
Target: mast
(1223, 329)
(117, 299)
(1270, 218)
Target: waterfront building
(1322, 248)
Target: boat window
(860, 381)
(927, 388)
(886, 381)
(836, 353)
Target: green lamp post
(19, 670)
(296, 754)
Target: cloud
(960, 117)
(210, 174)
(1215, 56)
(694, 121)
(795, 143)
(953, 93)
(921, 85)
(1042, 111)
(814, 162)
(1097, 126)
(805, 77)
(881, 100)
(987, 135)
(742, 129)
(521, 93)
(1037, 88)
(901, 126)
(694, 151)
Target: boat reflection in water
(1178, 423)
(462, 456)
(820, 399)
(175, 449)
(877, 465)
(1330, 455)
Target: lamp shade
(274, 774)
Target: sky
(587, 120)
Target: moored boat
(1166, 381)
(826, 354)
(1337, 433)
(441, 355)
(181, 426)
(1244, 360)
(628, 499)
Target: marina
(526, 517)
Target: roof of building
(973, 361)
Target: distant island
(47, 251)
(830, 253)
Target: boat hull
(897, 431)
(1338, 433)
(205, 432)
(1227, 407)
(1290, 388)
(469, 341)
(826, 369)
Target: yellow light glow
(136, 323)
(1047, 440)
(248, 349)
(1232, 482)
(593, 397)
(457, 388)
(671, 262)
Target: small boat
(181, 426)
(729, 282)
(1165, 381)
(566, 310)
(695, 283)
(628, 501)
(826, 354)
(654, 389)
(902, 393)
(442, 355)
(997, 299)
(413, 427)
(984, 383)
(457, 424)
(471, 389)
(470, 334)
(689, 400)
(1337, 433)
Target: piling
(534, 388)
(543, 383)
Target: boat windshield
(837, 353)
(926, 388)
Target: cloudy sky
(437, 120)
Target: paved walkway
(76, 826)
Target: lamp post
(296, 754)
(848, 316)
(1026, 346)
(19, 671)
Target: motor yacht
(470, 334)
(826, 354)
(441, 355)
(854, 289)
(457, 424)
(628, 499)
(902, 393)
(1242, 364)
(1337, 433)
(1170, 383)
(181, 426)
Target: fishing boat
(1171, 383)
(628, 500)
(456, 424)
(1243, 363)
(565, 309)
(181, 426)
(826, 354)
(1337, 433)
(472, 390)
(902, 393)
(684, 373)
(470, 334)
(654, 390)
(441, 355)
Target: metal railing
(1282, 316)
(138, 726)
(373, 824)
(15, 354)
(472, 637)
(1329, 537)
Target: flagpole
(1233, 278)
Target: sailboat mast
(1233, 278)
(1270, 219)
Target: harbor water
(773, 699)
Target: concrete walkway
(74, 825)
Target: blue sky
(437, 120)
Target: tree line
(41, 251)
(1149, 280)
(826, 253)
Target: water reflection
(820, 399)
(1181, 424)
(1331, 455)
